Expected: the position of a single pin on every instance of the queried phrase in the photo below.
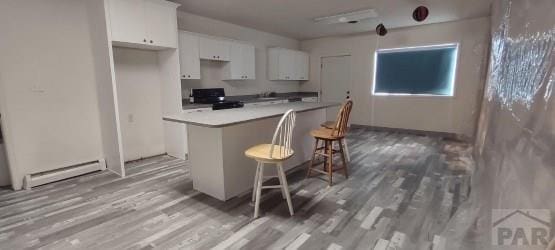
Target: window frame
(418, 48)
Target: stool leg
(283, 195)
(258, 189)
(255, 181)
(325, 152)
(330, 162)
(312, 159)
(342, 151)
(285, 187)
(344, 141)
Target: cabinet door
(236, 65)
(161, 23)
(249, 61)
(127, 21)
(302, 62)
(223, 50)
(286, 64)
(207, 47)
(214, 49)
(189, 56)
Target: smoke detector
(351, 17)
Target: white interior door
(335, 82)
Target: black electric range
(216, 97)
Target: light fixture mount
(351, 17)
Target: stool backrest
(283, 135)
(342, 121)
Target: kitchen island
(218, 139)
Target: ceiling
(294, 18)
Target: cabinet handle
(189, 76)
(144, 40)
(150, 41)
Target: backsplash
(211, 75)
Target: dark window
(426, 70)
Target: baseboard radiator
(33, 180)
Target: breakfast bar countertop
(228, 117)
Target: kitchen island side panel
(206, 160)
(239, 170)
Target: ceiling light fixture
(381, 30)
(420, 14)
(351, 17)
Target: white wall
(211, 72)
(4, 170)
(47, 86)
(105, 87)
(452, 115)
(5, 179)
(140, 105)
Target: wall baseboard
(33, 180)
(445, 135)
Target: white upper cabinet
(303, 64)
(212, 48)
(161, 23)
(189, 59)
(249, 60)
(286, 64)
(150, 24)
(242, 62)
(127, 21)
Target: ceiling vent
(351, 17)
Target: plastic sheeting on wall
(515, 147)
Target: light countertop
(227, 117)
(252, 99)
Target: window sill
(412, 95)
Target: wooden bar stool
(330, 125)
(329, 136)
(275, 153)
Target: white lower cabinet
(309, 99)
(254, 104)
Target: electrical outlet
(37, 88)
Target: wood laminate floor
(402, 191)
